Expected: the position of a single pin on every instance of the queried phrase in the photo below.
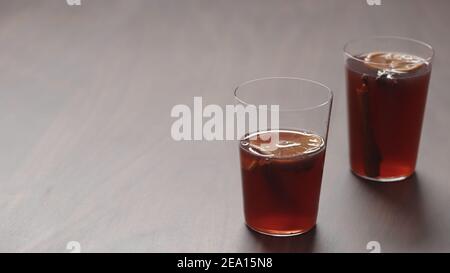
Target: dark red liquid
(281, 192)
(385, 119)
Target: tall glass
(387, 85)
(282, 165)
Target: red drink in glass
(386, 93)
(281, 186)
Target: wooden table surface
(86, 152)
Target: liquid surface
(282, 143)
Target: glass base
(383, 179)
(279, 233)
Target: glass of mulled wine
(387, 85)
(282, 164)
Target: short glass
(282, 165)
(387, 85)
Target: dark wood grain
(85, 148)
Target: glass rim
(428, 60)
(328, 100)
